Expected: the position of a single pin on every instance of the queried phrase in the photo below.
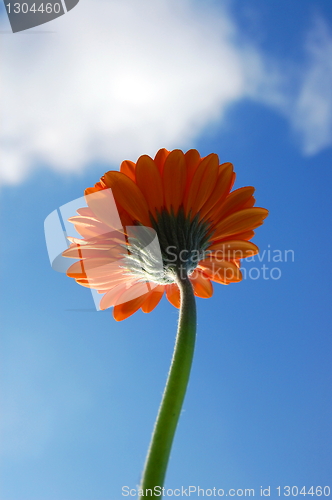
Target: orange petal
(110, 298)
(123, 311)
(234, 201)
(247, 235)
(203, 183)
(130, 197)
(243, 220)
(221, 271)
(201, 284)
(86, 232)
(112, 252)
(174, 180)
(82, 220)
(233, 249)
(173, 294)
(153, 299)
(250, 203)
(101, 184)
(77, 270)
(86, 212)
(126, 220)
(97, 240)
(192, 159)
(92, 268)
(149, 181)
(128, 168)
(233, 180)
(134, 290)
(103, 205)
(107, 279)
(107, 285)
(77, 241)
(92, 190)
(221, 190)
(81, 252)
(160, 159)
(91, 223)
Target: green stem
(175, 390)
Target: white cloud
(118, 79)
(313, 107)
(302, 92)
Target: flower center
(179, 246)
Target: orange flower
(203, 230)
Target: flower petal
(128, 168)
(92, 268)
(123, 311)
(221, 190)
(192, 159)
(233, 180)
(234, 201)
(249, 203)
(202, 184)
(104, 284)
(125, 218)
(133, 291)
(233, 249)
(173, 294)
(103, 205)
(86, 232)
(130, 197)
(160, 159)
(149, 181)
(174, 180)
(246, 235)
(92, 223)
(82, 252)
(108, 280)
(112, 253)
(240, 221)
(201, 284)
(86, 212)
(221, 271)
(153, 299)
(94, 189)
(82, 266)
(110, 298)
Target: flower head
(176, 215)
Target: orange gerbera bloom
(203, 230)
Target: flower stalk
(175, 390)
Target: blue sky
(251, 82)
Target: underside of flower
(182, 239)
(173, 249)
(175, 217)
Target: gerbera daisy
(203, 230)
(169, 225)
